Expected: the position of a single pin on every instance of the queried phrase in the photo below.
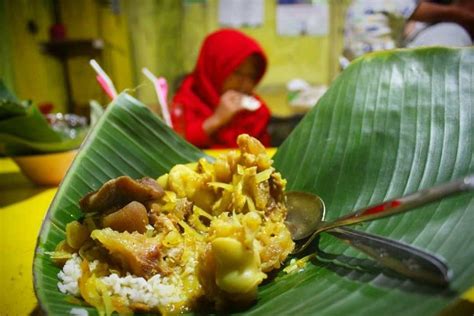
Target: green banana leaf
(18, 146)
(391, 123)
(35, 126)
(96, 111)
(25, 131)
(6, 94)
(10, 106)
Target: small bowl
(45, 169)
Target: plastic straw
(104, 80)
(161, 89)
(105, 86)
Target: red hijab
(221, 53)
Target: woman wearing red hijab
(229, 66)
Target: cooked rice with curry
(203, 231)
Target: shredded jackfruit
(218, 229)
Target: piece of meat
(137, 253)
(132, 217)
(119, 192)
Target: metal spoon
(305, 219)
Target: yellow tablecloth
(22, 209)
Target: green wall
(6, 67)
(162, 35)
(30, 73)
(155, 33)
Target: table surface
(22, 209)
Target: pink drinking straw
(104, 80)
(161, 89)
(105, 87)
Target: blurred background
(47, 44)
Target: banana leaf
(20, 146)
(390, 124)
(10, 106)
(30, 126)
(96, 111)
(24, 130)
(5, 94)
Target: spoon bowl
(305, 212)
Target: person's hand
(229, 105)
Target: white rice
(78, 312)
(154, 292)
(69, 276)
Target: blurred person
(211, 101)
(373, 25)
(456, 28)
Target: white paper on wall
(241, 13)
(302, 19)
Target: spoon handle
(405, 203)
(404, 259)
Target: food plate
(392, 123)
